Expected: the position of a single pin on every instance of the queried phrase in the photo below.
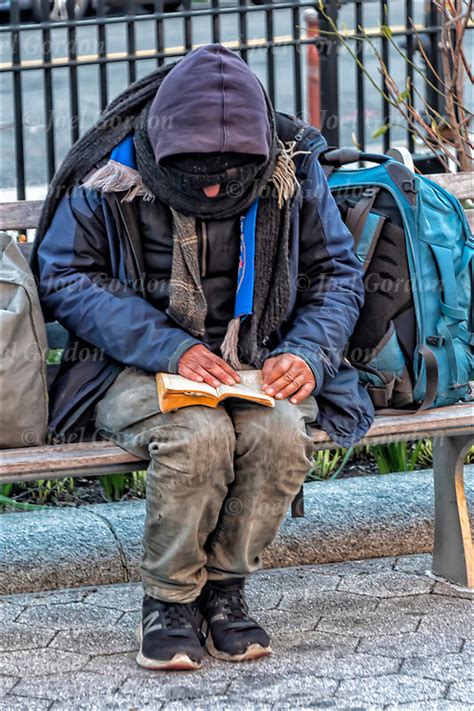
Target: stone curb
(348, 519)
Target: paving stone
(462, 691)
(172, 686)
(17, 636)
(452, 591)
(113, 702)
(9, 613)
(263, 600)
(313, 642)
(7, 683)
(308, 662)
(40, 661)
(329, 601)
(444, 621)
(31, 704)
(49, 597)
(264, 591)
(126, 597)
(305, 580)
(356, 567)
(386, 584)
(308, 687)
(370, 624)
(468, 646)
(304, 575)
(419, 564)
(286, 621)
(347, 666)
(67, 616)
(130, 620)
(303, 705)
(218, 703)
(410, 645)
(448, 666)
(122, 663)
(374, 692)
(438, 705)
(427, 604)
(71, 685)
(99, 640)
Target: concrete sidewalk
(374, 634)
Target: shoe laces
(171, 615)
(231, 599)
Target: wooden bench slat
(459, 184)
(470, 219)
(55, 462)
(401, 428)
(20, 215)
(95, 458)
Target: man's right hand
(203, 366)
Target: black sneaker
(169, 635)
(231, 634)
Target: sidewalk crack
(122, 555)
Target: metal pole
(329, 73)
(18, 105)
(359, 49)
(313, 72)
(433, 19)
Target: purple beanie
(209, 102)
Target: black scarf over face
(178, 181)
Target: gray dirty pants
(219, 481)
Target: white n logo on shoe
(149, 622)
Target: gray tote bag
(23, 352)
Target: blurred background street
(38, 48)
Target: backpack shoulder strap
(307, 138)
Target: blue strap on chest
(246, 274)
(124, 153)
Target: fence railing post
(433, 20)
(328, 53)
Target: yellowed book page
(178, 384)
(250, 386)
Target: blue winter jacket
(90, 281)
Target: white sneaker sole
(179, 662)
(255, 651)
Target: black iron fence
(57, 75)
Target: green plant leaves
(380, 131)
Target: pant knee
(196, 442)
(280, 431)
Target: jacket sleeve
(79, 284)
(330, 283)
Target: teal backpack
(413, 343)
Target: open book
(175, 392)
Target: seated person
(192, 231)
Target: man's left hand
(287, 375)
